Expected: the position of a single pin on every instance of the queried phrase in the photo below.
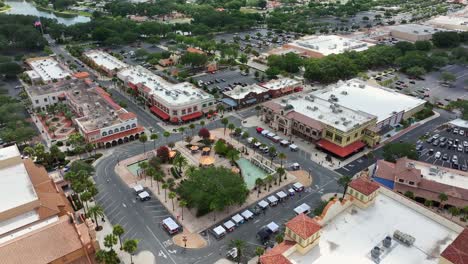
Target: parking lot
(225, 79)
(446, 148)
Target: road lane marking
(163, 248)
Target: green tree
(409, 194)
(192, 127)
(166, 134)
(454, 211)
(158, 177)
(96, 212)
(428, 203)
(165, 186)
(118, 231)
(154, 137)
(231, 127)
(423, 45)
(240, 245)
(258, 185)
(446, 39)
(143, 139)
(172, 195)
(279, 238)
(225, 122)
(394, 151)
(447, 77)
(344, 181)
(130, 246)
(258, 252)
(232, 155)
(180, 161)
(282, 158)
(442, 198)
(182, 204)
(416, 71)
(194, 59)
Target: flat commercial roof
(416, 29)
(330, 44)
(361, 96)
(240, 92)
(442, 175)
(48, 68)
(329, 113)
(280, 83)
(457, 21)
(173, 94)
(9, 152)
(16, 187)
(350, 236)
(105, 60)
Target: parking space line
(109, 205)
(161, 216)
(121, 219)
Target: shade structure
(206, 149)
(341, 151)
(235, 170)
(159, 112)
(194, 148)
(172, 154)
(207, 160)
(191, 116)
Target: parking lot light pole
(184, 238)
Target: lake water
(26, 8)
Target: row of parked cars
(273, 137)
(264, 233)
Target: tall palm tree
(130, 246)
(96, 212)
(281, 171)
(272, 151)
(442, 198)
(165, 186)
(150, 172)
(232, 155)
(182, 204)
(240, 246)
(172, 195)
(143, 138)
(231, 127)
(143, 168)
(192, 128)
(154, 137)
(158, 177)
(254, 141)
(258, 185)
(225, 122)
(118, 231)
(258, 108)
(180, 161)
(181, 130)
(344, 181)
(220, 108)
(258, 252)
(282, 157)
(269, 179)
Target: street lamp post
(184, 238)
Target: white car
(460, 148)
(437, 155)
(454, 159)
(461, 132)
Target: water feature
(134, 167)
(250, 172)
(26, 8)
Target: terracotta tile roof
(385, 170)
(403, 171)
(81, 75)
(457, 252)
(305, 120)
(194, 50)
(303, 226)
(127, 116)
(364, 185)
(275, 255)
(275, 107)
(46, 244)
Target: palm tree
(225, 122)
(454, 211)
(143, 138)
(182, 204)
(220, 108)
(154, 137)
(150, 172)
(172, 195)
(166, 134)
(254, 141)
(281, 171)
(158, 177)
(442, 198)
(130, 246)
(344, 181)
(192, 128)
(240, 246)
(231, 127)
(85, 197)
(258, 108)
(181, 130)
(202, 123)
(269, 179)
(245, 135)
(96, 212)
(282, 157)
(180, 161)
(259, 251)
(272, 151)
(232, 155)
(279, 238)
(258, 185)
(165, 186)
(118, 231)
(190, 169)
(143, 167)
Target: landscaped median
(186, 197)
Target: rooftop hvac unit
(320, 116)
(315, 108)
(361, 85)
(375, 253)
(309, 107)
(404, 238)
(343, 119)
(344, 93)
(337, 122)
(387, 242)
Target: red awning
(341, 151)
(175, 119)
(121, 135)
(191, 116)
(159, 112)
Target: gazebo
(194, 148)
(207, 161)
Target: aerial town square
(233, 131)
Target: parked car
(437, 155)
(445, 156)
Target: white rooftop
(414, 29)
(280, 83)
(443, 175)
(361, 96)
(330, 44)
(240, 92)
(458, 22)
(48, 68)
(173, 94)
(105, 60)
(350, 236)
(340, 117)
(16, 187)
